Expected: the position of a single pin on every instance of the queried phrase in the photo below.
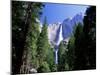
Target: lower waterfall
(60, 38)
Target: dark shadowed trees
(23, 24)
(89, 30)
(71, 52)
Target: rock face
(62, 31)
(53, 33)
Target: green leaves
(44, 67)
(62, 57)
(25, 31)
(43, 50)
(71, 52)
(90, 36)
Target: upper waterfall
(60, 37)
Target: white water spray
(60, 39)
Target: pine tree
(18, 34)
(89, 30)
(31, 37)
(24, 24)
(71, 52)
(61, 51)
(79, 49)
(50, 59)
(62, 57)
(44, 67)
(42, 46)
(26, 54)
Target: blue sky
(59, 12)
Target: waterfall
(56, 56)
(60, 38)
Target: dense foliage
(89, 30)
(63, 57)
(81, 54)
(32, 50)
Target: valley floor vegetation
(31, 51)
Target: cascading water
(60, 35)
(60, 38)
(62, 31)
(56, 56)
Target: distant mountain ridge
(61, 31)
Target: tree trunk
(26, 52)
